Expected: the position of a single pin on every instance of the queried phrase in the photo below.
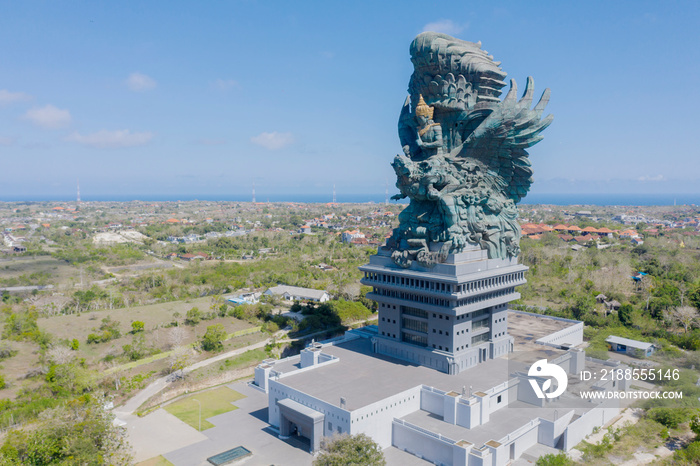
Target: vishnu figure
(429, 137)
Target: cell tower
(334, 194)
(78, 190)
(253, 192)
(386, 192)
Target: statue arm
(434, 144)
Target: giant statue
(464, 165)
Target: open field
(157, 338)
(53, 271)
(16, 367)
(157, 461)
(213, 403)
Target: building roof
(301, 409)
(297, 291)
(627, 342)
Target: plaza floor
(161, 433)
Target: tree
(582, 304)
(625, 314)
(213, 339)
(137, 326)
(194, 316)
(179, 358)
(60, 355)
(176, 336)
(684, 315)
(341, 450)
(695, 424)
(77, 432)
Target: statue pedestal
(451, 316)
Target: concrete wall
(375, 419)
(337, 416)
(431, 400)
(583, 426)
(422, 444)
(551, 432)
(523, 439)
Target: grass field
(213, 402)
(157, 461)
(153, 316)
(60, 272)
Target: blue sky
(205, 98)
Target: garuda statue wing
(501, 139)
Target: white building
(296, 293)
(349, 235)
(486, 414)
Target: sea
(596, 199)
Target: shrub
(137, 326)
(213, 339)
(551, 459)
(669, 417)
(193, 317)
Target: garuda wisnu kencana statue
(464, 165)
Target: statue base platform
(450, 316)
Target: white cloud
(6, 141)
(138, 82)
(652, 178)
(273, 141)
(225, 84)
(446, 26)
(48, 117)
(105, 139)
(7, 97)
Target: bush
(551, 459)
(3, 384)
(137, 326)
(213, 339)
(669, 417)
(689, 455)
(109, 331)
(193, 317)
(345, 449)
(270, 327)
(74, 344)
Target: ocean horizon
(594, 199)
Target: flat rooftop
(526, 329)
(363, 378)
(502, 422)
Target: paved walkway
(157, 385)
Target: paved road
(159, 384)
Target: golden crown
(423, 109)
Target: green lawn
(157, 461)
(214, 402)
